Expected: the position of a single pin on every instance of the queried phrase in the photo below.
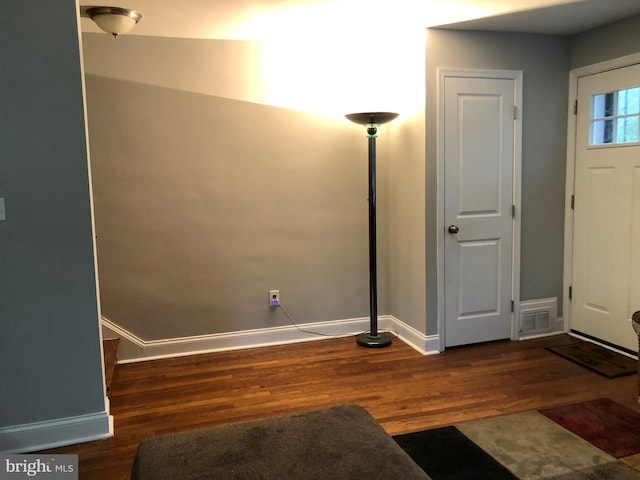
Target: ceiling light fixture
(113, 20)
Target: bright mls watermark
(51, 467)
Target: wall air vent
(534, 320)
(537, 316)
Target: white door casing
(479, 150)
(606, 231)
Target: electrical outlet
(274, 298)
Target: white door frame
(574, 75)
(516, 76)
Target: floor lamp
(371, 121)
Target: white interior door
(606, 245)
(479, 139)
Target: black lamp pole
(371, 120)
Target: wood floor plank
(404, 390)
(110, 349)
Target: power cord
(286, 314)
(328, 335)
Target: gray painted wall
(610, 41)
(50, 365)
(210, 197)
(406, 222)
(206, 198)
(545, 62)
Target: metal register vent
(538, 316)
(535, 320)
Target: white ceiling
(253, 19)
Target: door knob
(453, 229)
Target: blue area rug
(528, 446)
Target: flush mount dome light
(114, 20)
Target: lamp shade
(373, 118)
(114, 20)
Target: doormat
(596, 358)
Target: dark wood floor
(404, 390)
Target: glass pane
(629, 101)
(602, 132)
(627, 129)
(603, 105)
(615, 117)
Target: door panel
(599, 200)
(483, 257)
(478, 139)
(606, 245)
(478, 171)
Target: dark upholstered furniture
(337, 443)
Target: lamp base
(374, 341)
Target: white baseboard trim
(425, 344)
(541, 335)
(36, 436)
(135, 349)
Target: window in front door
(615, 117)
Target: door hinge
(513, 306)
(575, 107)
(515, 112)
(513, 211)
(570, 293)
(573, 202)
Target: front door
(606, 245)
(479, 155)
